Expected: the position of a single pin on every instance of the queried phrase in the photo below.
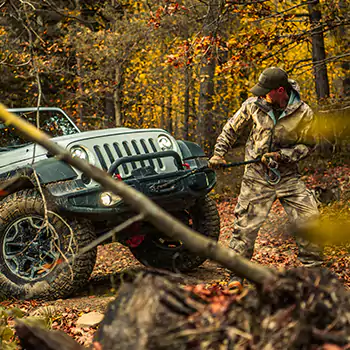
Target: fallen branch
(34, 338)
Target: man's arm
(305, 142)
(231, 130)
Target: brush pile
(303, 309)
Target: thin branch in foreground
(111, 233)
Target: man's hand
(216, 162)
(267, 157)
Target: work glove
(216, 162)
(270, 156)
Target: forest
(185, 66)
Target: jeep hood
(18, 157)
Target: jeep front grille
(108, 153)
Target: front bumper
(74, 198)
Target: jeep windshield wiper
(10, 148)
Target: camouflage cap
(271, 78)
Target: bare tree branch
(111, 233)
(318, 63)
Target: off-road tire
(63, 279)
(205, 220)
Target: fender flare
(47, 171)
(190, 149)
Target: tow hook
(135, 241)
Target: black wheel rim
(31, 248)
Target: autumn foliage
(172, 64)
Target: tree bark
(187, 74)
(162, 113)
(81, 90)
(170, 102)
(318, 51)
(205, 120)
(109, 106)
(342, 36)
(117, 95)
(205, 105)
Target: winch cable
(168, 184)
(244, 162)
(273, 176)
(272, 166)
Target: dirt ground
(274, 247)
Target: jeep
(50, 210)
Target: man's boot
(310, 254)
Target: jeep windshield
(52, 122)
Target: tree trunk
(187, 73)
(194, 116)
(342, 34)
(109, 106)
(318, 51)
(117, 95)
(81, 91)
(205, 106)
(170, 102)
(162, 113)
(205, 120)
(132, 321)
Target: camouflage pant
(254, 204)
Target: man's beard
(273, 104)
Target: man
(280, 125)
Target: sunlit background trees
(185, 66)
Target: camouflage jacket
(289, 133)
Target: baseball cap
(271, 78)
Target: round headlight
(79, 152)
(164, 142)
(106, 199)
(82, 153)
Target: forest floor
(274, 247)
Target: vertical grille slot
(153, 146)
(120, 155)
(109, 153)
(128, 152)
(136, 148)
(144, 146)
(100, 158)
